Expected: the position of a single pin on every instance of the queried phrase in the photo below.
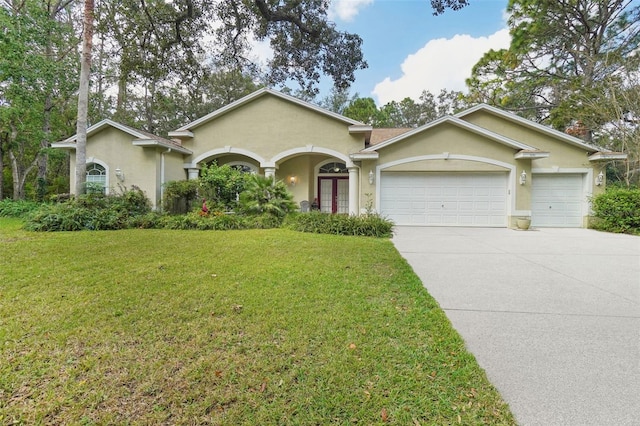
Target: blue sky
(410, 50)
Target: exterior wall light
(371, 177)
(120, 174)
(599, 179)
(523, 177)
(293, 180)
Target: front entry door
(334, 194)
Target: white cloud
(346, 10)
(440, 64)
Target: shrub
(179, 196)
(222, 185)
(93, 211)
(617, 210)
(266, 196)
(17, 208)
(371, 225)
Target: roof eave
(152, 143)
(360, 128)
(521, 155)
(64, 145)
(359, 156)
(181, 134)
(607, 156)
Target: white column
(353, 191)
(269, 172)
(193, 173)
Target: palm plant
(266, 195)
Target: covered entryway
(444, 199)
(556, 200)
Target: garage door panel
(557, 200)
(448, 199)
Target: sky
(410, 50)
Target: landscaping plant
(618, 210)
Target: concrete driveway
(552, 315)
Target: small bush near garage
(617, 210)
(17, 208)
(371, 225)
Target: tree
(37, 43)
(83, 98)
(560, 49)
(617, 104)
(363, 110)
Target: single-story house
(480, 167)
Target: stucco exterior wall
(269, 126)
(113, 149)
(563, 154)
(450, 139)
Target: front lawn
(260, 327)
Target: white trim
(459, 123)
(606, 156)
(153, 143)
(360, 128)
(531, 155)
(511, 170)
(64, 145)
(257, 94)
(181, 134)
(312, 149)
(230, 150)
(106, 122)
(530, 124)
(358, 156)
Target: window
(96, 178)
(333, 168)
(243, 167)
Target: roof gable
(509, 116)
(460, 124)
(256, 95)
(141, 137)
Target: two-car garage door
(444, 199)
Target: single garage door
(444, 199)
(557, 200)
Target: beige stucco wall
(269, 126)
(447, 138)
(113, 149)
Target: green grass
(264, 327)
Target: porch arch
(311, 149)
(230, 150)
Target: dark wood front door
(333, 194)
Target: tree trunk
(83, 99)
(1, 169)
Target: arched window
(333, 168)
(96, 178)
(243, 167)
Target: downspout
(162, 179)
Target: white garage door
(557, 200)
(444, 199)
